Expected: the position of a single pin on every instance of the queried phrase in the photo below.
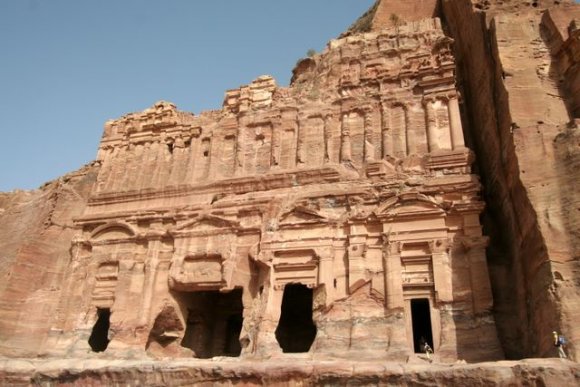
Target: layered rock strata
(518, 68)
(338, 217)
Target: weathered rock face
(36, 232)
(519, 73)
(338, 216)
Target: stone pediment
(300, 215)
(112, 231)
(409, 205)
(208, 223)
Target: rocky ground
(290, 371)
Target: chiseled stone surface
(338, 217)
(354, 182)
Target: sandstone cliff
(340, 217)
(36, 230)
(518, 69)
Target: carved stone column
(386, 131)
(276, 143)
(411, 135)
(327, 138)
(150, 275)
(455, 123)
(480, 283)
(356, 265)
(325, 270)
(431, 124)
(441, 269)
(369, 148)
(399, 119)
(345, 147)
(393, 273)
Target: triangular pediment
(302, 215)
(208, 223)
(409, 204)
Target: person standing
(559, 343)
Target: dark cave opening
(214, 323)
(99, 339)
(296, 330)
(421, 318)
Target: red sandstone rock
(288, 372)
(338, 217)
(520, 86)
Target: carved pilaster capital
(391, 247)
(471, 243)
(453, 95)
(266, 256)
(428, 100)
(324, 253)
(439, 245)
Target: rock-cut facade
(341, 216)
(338, 216)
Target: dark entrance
(421, 316)
(99, 339)
(214, 323)
(296, 330)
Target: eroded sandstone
(338, 217)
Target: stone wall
(525, 137)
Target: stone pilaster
(393, 274)
(369, 148)
(356, 265)
(455, 123)
(480, 284)
(431, 124)
(386, 131)
(345, 146)
(441, 270)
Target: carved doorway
(296, 330)
(421, 323)
(99, 339)
(214, 323)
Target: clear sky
(67, 66)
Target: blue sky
(66, 66)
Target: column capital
(470, 242)
(391, 247)
(439, 245)
(428, 100)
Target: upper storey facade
(379, 96)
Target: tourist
(559, 343)
(425, 347)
